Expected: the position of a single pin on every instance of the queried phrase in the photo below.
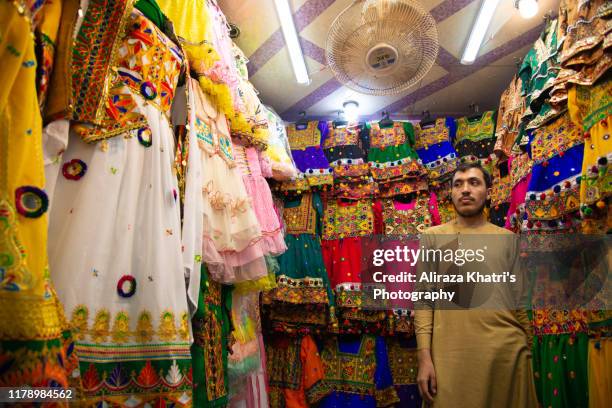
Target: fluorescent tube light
(291, 40)
(485, 14)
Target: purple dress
(305, 143)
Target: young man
(478, 357)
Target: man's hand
(426, 377)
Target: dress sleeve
(385, 391)
(313, 372)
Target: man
(478, 357)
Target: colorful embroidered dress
(305, 143)
(552, 198)
(538, 71)
(295, 371)
(123, 285)
(475, 139)
(344, 224)
(395, 165)
(303, 294)
(211, 331)
(404, 367)
(509, 114)
(591, 109)
(585, 53)
(32, 322)
(344, 143)
(357, 373)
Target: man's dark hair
(463, 167)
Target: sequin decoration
(31, 202)
(145, 137)
(148, 90)
(74, 169)
(126, 287)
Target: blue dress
(357, 373)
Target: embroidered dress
(509, 114)
(553, 191)
(129, 308)
(357, 373)
(305, 143)
(538, 71)
(585, 52)
(402, 223)
(295, 371)
(475, 139)
(343, 143)
(404, 367)
(344, 224)
(434, 147)
(209, 350)
(560, 346)
(591, 109)
(303, 293)
(34, 351)
(394, 162)
(232, 246)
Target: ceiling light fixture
(527, 8)
(351, 111)
(485, 14)
(291, 40)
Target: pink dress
(254, 167)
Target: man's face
(469, 192)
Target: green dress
(391, 143)
(303, 296)
(211, 329)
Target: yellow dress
(32, 322)
(590, 108)
(481, 356)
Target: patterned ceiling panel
(448, 88)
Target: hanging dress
(357, 373)
(590, 109)
(435, 149)
(303, 297)
(35, 345)
(232, 246)
(123, 282)
(395, 164)
(305, 142)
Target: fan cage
(401, 24)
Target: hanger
(475, 112)
(427, 122)
(385, 121)
(302, 123)
(338, 123)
